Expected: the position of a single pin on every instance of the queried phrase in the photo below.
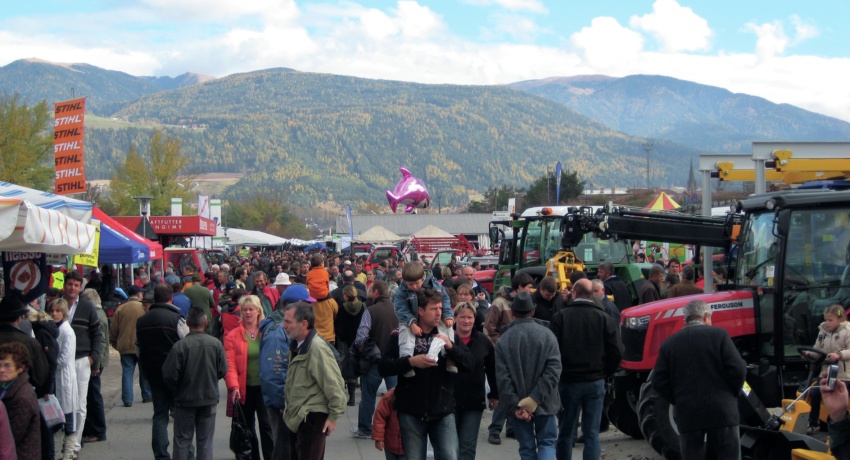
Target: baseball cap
(133, 290)
(347, 262)
(229, 285)
(297, 293)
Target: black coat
(546, 309)
(469, 386)
(589, 342)
(429, 394)
(618, 288)
(156, 333)
(701, 373)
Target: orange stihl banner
(68, 146)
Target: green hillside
(315, 137)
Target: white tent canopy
(431, 231)
(75, 209)
(377, 234)
(241, 237)
(26, 227)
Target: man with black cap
(122, 337)
(528, 363)
(11, 311)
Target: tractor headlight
(637, 322)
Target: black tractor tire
(657, 424)
(623, 414)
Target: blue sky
(785, 51)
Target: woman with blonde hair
(66, 372)
(470, 397)
(242, 349)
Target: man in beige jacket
(122, 337)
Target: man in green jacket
(315, 390)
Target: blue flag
(558, 183)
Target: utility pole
(648, 148)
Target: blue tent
(115, 248)
(316, 246)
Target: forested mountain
(309, 137)
(703, 117)
(106, 90)
(312, 137)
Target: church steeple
(692, 182)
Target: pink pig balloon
(410, 192)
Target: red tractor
(788, 260)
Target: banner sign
(90, 260)
(68, 146)
(26, 274)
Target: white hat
(282, 280)
(347, 262)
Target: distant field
(93, 121)
(212, 184)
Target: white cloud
(675, 27)
(803, 30)
(771, 38)
(517, 28)
(412, 42)
(607, 44)
(534, 6)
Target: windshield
(541, 240)
(815, 271)
(758, 251)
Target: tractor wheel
(657, 424)
(622, 413)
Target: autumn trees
(26, 143)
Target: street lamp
(144, 210)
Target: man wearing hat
(122, 337)
(528, 363)
(281, 282)
(11, 311)
(590, 352)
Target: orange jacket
(385, 425)
(318, 282)
(236, 351)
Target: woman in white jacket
(66, 374)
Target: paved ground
(129, 433)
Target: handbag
(51, 411)
(240, 434)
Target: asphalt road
(129, 432)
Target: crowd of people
(293, 335)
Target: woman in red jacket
(242, 348)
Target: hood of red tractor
(645, 327)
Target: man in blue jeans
(425, 402)
(376, 326)
(122, 337)
(590, 352)
(156, 333)
(527, 367)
